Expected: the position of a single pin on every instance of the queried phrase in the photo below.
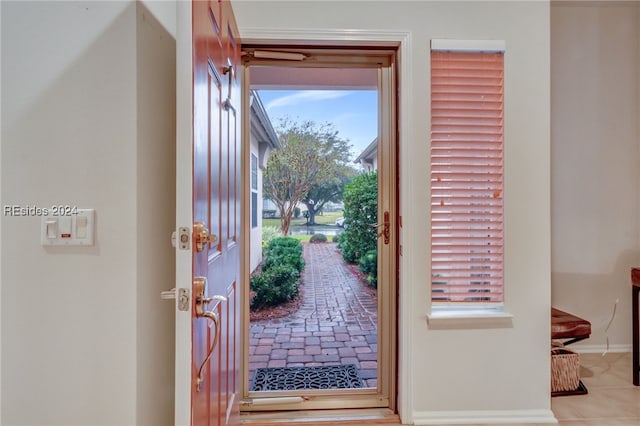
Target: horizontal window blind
(467, 128)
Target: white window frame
(452, 316)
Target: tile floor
(612, 398)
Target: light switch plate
(75, 229)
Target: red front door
(216, 212)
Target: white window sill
(452, 318)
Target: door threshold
(378, 416)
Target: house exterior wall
(256, 233)
(595, 155)
(370, 166)
(484, 370)
(88, 119)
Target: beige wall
(595, 155)
(88, 118)
(155, 197)
(469, 374)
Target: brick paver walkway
(336, 323)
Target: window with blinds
(467, 129)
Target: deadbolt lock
(201, 237)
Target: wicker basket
(565, 369)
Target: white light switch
(51, 229)
(81, 227)
(75, 229)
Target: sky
(354, 113)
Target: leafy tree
(309, 155)
(329, 190)
(360, 213)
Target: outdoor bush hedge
(280, 270)
(360, 212)
(283, 243)
(369, 266)
(336, 238)
(291, 259)
(274, 286)
(283, 251)
(318, 238)
(348, 251)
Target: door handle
(199, 287)
(230, 71)
(201, 236)
(213, 316)
(385, 225)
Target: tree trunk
(285, 222)
(312, 216)
(313, 210)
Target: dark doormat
(581, 390)
(296, 378)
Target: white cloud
(306, 96)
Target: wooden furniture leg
(635, 294)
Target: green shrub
(281, 243)
(318, 238)
(349, 253)
(283, 250)
(335, 238)
(360, 212)
(293, 260)
(278, 281)
(277, 285)
(369, 266)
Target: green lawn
(302, 238)
(328, 218)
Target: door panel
(215, 185)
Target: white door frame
(401, 39)
(184, 206)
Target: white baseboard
(483, 417)
(599, 349)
